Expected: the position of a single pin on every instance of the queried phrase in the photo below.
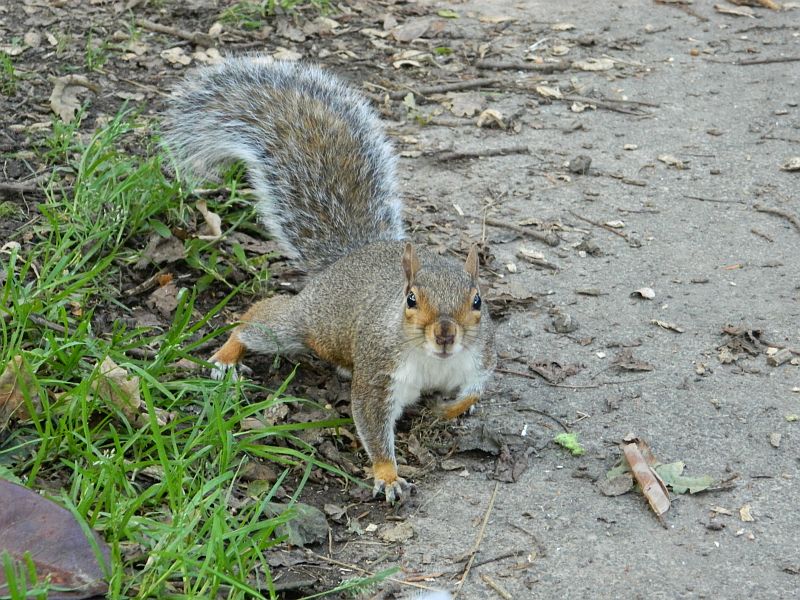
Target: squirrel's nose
(445, 340)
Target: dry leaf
(765, 3)
(744, 11)
(562, 26)
(411, 30)
(745, 513)
(117, 387)
(465, 104)
(15, 383)
(673, 161)
(49, 535)
(176, 56)
(64, 97)
(645, 292)
(213, 229)
(548, 92)
(491, 118)
(594, 64)
(286, 54)
(668, 325)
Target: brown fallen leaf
(745, 513)
(625, 361)
(213, 228)
(16, 382)
(668, 325)
(64, 99)
(120, 389)
(553, 371)
(652, 487)
(744, 11)
(765, 3)
(49, 535)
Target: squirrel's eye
(476, 302)
(411, 300)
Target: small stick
(780, 213)
(702, 199)
(761, 234)
(461, 154)
(549, 238)
(442, 88)
(199, 39)
(48, 324)
(500, 65)
(766, 61)
(147, 284)
(18, 189)
(622, 106)
(600, 225)
(503, 556)
(474, 550)
(496, 587)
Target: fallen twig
(200, 39)
(702, 199)
(496, 587)
(600, 225)
(549, 238)
(623, 106)
(766, 61)
(446, 155)
(474, 550)
(469, 84)
(780, 213)
(501, 65)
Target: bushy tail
(318, 160)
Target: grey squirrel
(401, 319)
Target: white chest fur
(420, 372)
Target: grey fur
(318, 200)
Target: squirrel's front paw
(387, 482)
(220, 369)
(395, 491)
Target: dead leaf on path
(741, 341)
(594, 64)
(650, 483)
(552, 93)
(672, 475)
(673, 161)
(176, 56)
(743, 11)
(213, 228)
(120, 389)
(308, 526)
(491, 118)
(286, 54)
(47, 534)
(667, 325)
(765, 3)
(16, 382)
(562, 26)
(793, 164)
(411, 30)
(464, 104)
(553, 371)
(625, 361)
(402, 532)
(164, 299)
(161, 251)
(511, 464)
(745, 513)
(496, 19)
(64, 99)
(616, 485)
(645, 292)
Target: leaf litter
(654, 478)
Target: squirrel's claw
(396, 491)
(221, 368)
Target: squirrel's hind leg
(268, 327)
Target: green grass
(8, 75)
(160, 494)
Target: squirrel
(400, 319)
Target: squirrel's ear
(410, 263)
(471, 266)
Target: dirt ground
(687, 115)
